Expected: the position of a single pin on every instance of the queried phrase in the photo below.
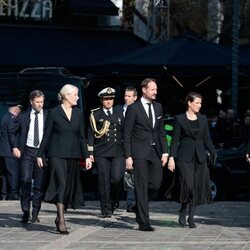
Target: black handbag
(128, 180)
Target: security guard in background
(106, 149)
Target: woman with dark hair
(188, 156)
(65, 143)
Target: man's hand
(171, 164)
(88, 163)
(129, 163)
(248, 158)
(39, 161)
(16, 152)
(164, 159)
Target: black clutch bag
(128, 180)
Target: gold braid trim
(103, 130)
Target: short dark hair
(132, 89)
(191, 96)
(145, 82)
(36, 93)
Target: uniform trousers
(29, 171)
(110, 176)
(148, 177)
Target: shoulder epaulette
(93, 110)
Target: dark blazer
(63, 138)
(24, 125)
(139, 134)
(9, 132)
(185, 144)
(110, 144)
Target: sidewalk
(222, 225)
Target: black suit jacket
(139, 134)
(63, 138)
(24, 125)
(185, 144)
(9, 134)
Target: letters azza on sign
(37, 10)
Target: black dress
(64, 184)
(192, 180)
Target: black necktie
(36, 131)
(150, 114)
(109, 113)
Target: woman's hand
(171, 164)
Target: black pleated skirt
(192, 183)
(64, 184)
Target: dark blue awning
(93, 7)
(26, 46)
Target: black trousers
(11, 176)
(148, 177)
(29, 171)
(110, 176)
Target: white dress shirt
(146, 107)
(106, 111)
(30, 138)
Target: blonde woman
(64, 143)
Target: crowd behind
(42, 151)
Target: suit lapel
(62, 113)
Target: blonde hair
(66, 89)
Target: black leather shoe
(147, 228)
(106, 215)
(35, 218)
(131, 209)
(25, 217)
(13, 197)
(182, 222)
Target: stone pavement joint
(221, 225)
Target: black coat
(185, 144)
(63, 138)
(139, 134)
(9, 138)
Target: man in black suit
(11, 168)
(106, 149)
(145, 148)
(31, 125)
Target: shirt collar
(106, 110)
(144, 101)
(33, 111)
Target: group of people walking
(51, 143)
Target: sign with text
(40, 10)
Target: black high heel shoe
(56, 222)
(64, 231)
(182, 223)
(191, 223)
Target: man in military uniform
(106, 149)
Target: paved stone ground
(221, 225)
